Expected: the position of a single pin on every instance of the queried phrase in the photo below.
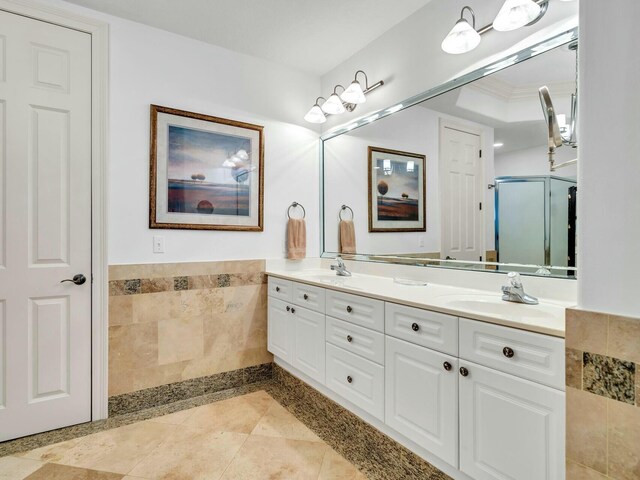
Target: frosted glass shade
(315, 115)
(461, 39)
(354, 94)
(515, 14)
(333, 105)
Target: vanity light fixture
(463, 37)
(316, 115)
(513, 14)
(347, 101)
(333, 105)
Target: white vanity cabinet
(480, 401)
(510, 428)
(421, 395)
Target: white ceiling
(309, 35)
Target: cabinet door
(308, 342)
(280, 341)
(509, 428)
(422, 397)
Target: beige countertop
(548, 317)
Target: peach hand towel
(296, 239)
(347, 237)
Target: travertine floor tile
(239, 414)
(191, 454)
(51, 453)
(52, 471)
(278, 422)
(14, 468)
(176, 418)
(276, 458)
(117, 450)
(335, 467)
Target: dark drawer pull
(288, 309)
(349, 309)
(464, 372)
(508, 352)
(349, 338)
(277, 289)
(293, 310)
(305, 296)
(349, 379)
(415, 327)
(447, 366)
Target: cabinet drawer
(362, 311)
(359, 381)
(355, 339)
(524, 354)
(308, 296)
(280, 288)
(422, 327)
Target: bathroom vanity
(472, 384)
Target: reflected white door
(461, 179)
(45, 226)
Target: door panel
(462, 177)
(280, 336)
(45, 94)
(308, 343)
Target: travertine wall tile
(586, 331)
(580, 472)
(624, 441)
(624, 338)
(587, 429)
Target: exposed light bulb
(333, 105)
(315, 115)
(461, 39)
(516, 14)
(498, 145)
(354, 94)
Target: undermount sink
(494, 305)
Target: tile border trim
(139, 286)
(132, 402)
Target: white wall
(609, 168)
(150, 66)
(409, 59)
(414, 130)
(534, 161)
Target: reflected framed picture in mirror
(397, 191)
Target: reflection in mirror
(463, 179)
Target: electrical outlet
(158, 244)
(421, 241)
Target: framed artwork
(397, 191)
(206, 172)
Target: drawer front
(422, 327)
(366, 312)
(355, 339)
(280, 288)
(528, 355)
(308, 296)
(359, 381)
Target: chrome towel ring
(342, 209)
(294, 205)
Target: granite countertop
(548, 317)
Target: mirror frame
(496, 66)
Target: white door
(422, 397)
(45, 226)
(308, 343)
(509, 428)
(461, 192)
(280, 336)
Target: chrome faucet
(515, 291)
(341, 268)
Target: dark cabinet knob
(349, 338)
(305, 296)
(349, 379)
(277, 289)
(508, 352)
(415, 327)
(288, 309)
(447, 366)
(349, 309)
(293, 310)
(464, 372)
(78, 279)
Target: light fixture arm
(366, 79)
(320, 98)
(473, 15)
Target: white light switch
(158, 244)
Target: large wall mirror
(461, 178)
